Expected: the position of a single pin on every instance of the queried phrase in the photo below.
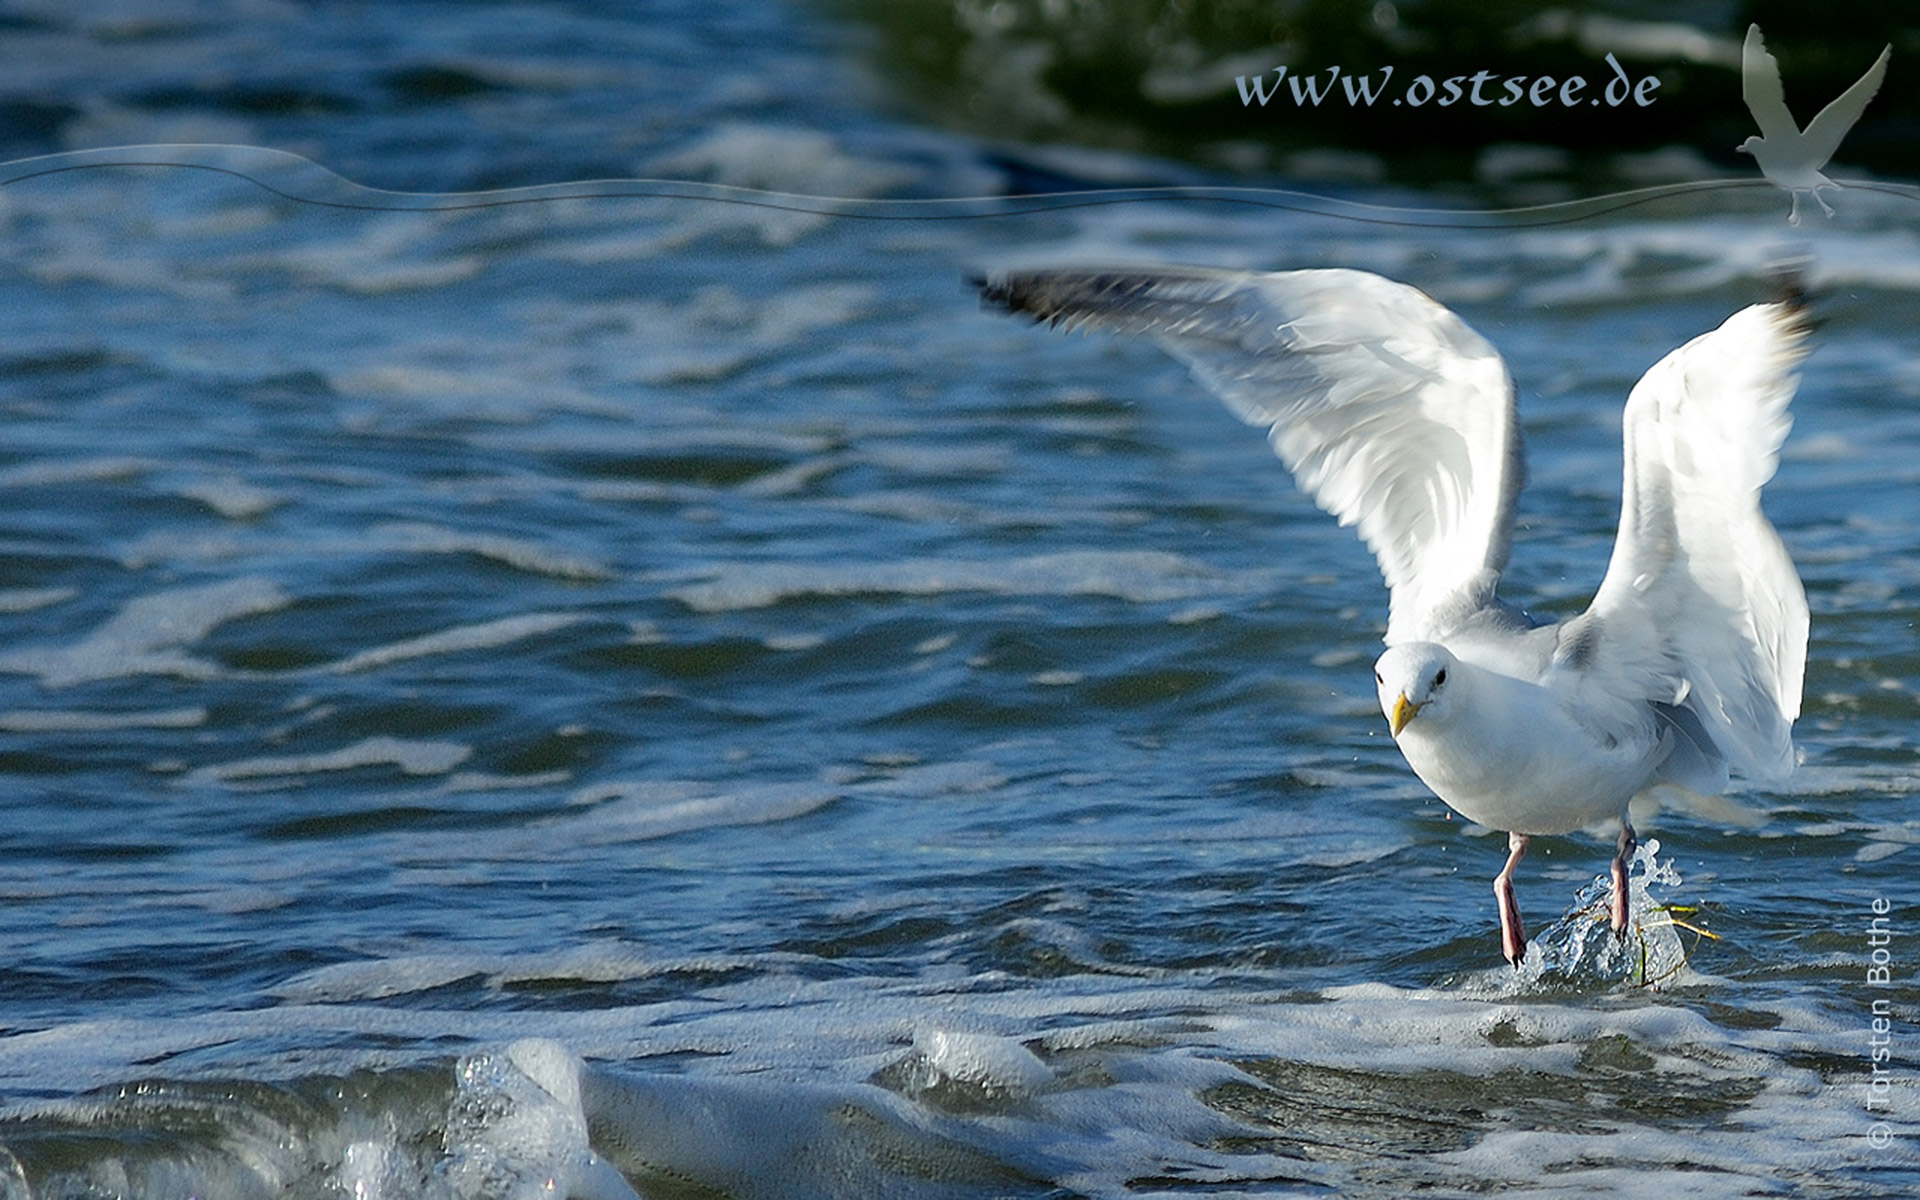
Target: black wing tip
(995, 291)
(1794, 294)
(1018, 295)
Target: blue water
(667, 694)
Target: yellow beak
(1403, 711)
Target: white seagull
(1398, 418)
(1787, 157)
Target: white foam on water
(410, 756)
(109, 124)
(1827, 447)
(234, 499)
(48, 472)
(931, 508)
(380, 979)
(486, 781)
(770, 158)
(675, 425)
(407, 537)
(20, 600)
(507, 391)
(923, 780)
(72, 721)
(908, 454)
(610, 813)
(1138, 576)
(795, 479)
(594, 962)
(779, 158)
(181, 546)
(149, 635)
(486, 635)
(1199, 614)
(518, 553)
(777, 1085)
(624, 245)
(978, 1060)
(717, 331)
(391, 252)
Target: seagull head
(1750, 146)
(1412, 681)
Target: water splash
(1581, 946)
(516, 1131)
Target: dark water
(664, 693)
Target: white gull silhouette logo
(1789, 157)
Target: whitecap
(411, 757)
(778, 159)
(386, 253)
(486, 635)
(46, 472)
(781, 162)
(983, 1061)
(518, 553)
(622, 812)
(20, 600)
(516, 1129)
(406, 974)
(234, 499)
(148, 635)
(72, 721)
(1138, 576)
(914, 780)
(507, 391)
(780, 1084)
(718, 330)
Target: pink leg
(1621, 897)
(1513, 936)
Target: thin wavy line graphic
(300, 180)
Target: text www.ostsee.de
(1482, 89)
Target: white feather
(1699, 583)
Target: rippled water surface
(667, 695)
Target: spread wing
(1392, 413)
(1700, 586)
(1825, 131)
(1760, 87)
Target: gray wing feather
(1388, 409)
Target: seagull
(1789, 158)
(1399, 419)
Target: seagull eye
(1377, 678)
(1440, 678)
